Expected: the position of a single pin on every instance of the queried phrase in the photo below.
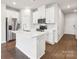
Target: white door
(70, 23)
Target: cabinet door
(41, 45)
(48, 15)
(51, 37)
(41, 12)
(52, 17)
(35, 17)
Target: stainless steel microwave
(42, 21)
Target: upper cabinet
(51, 14)
(41, 11)
(48, 15)
(39, 14)
(35, 17)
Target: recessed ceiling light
(14, 3)
(68, 6)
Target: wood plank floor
(66, 48)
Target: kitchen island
(31, 43)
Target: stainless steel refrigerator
(11, 25)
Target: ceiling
(36, 3)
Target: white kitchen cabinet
(41, 11)
(51, 14)
(41, 45)
(48, 15)
(51, 36)
(32, 44)
(39, 14)
(35, 17)
(55, 15)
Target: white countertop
(33, 33)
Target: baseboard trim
(2, 42)
(70, 34)
(59, 38)
(12, 40)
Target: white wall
(3, 27)
(70, 21)
(61, 24)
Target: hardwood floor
(8, 51)
(66, 48)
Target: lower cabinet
(52, 37)
(31, 46)
(41, 46)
